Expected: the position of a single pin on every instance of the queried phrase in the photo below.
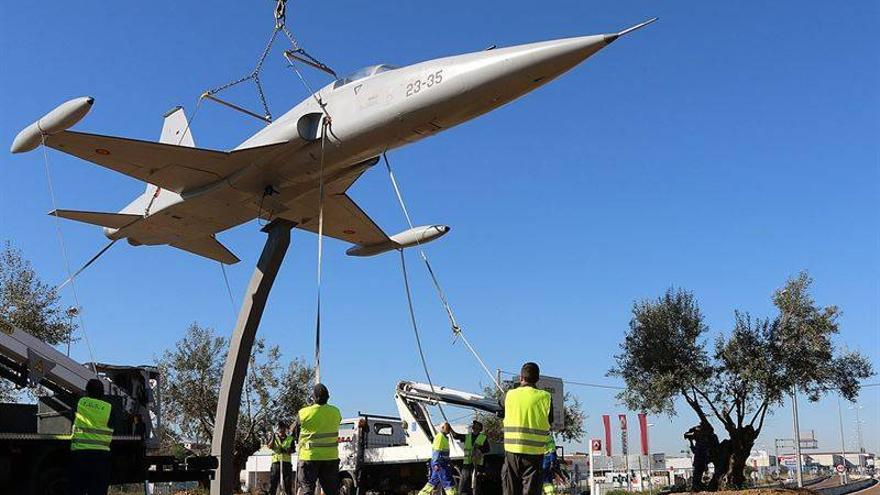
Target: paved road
(874, 490)
(826, 483)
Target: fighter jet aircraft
(192, 193)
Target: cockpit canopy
(362, 74)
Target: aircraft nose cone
(554, 57)
(545, 60)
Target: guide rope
(228, 289)
(457, 331)
(86, 265)
(66, 259)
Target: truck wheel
(52, 481)
(346, 487)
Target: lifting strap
(456, 329)
(415, 326)
(325, 124)
(297, 53)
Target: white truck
(35, 438)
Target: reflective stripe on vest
(281, 452)
(440, 444)
(319, 433)
(90, 430)
(472, 455)
(526, 427)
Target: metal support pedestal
(239, 353)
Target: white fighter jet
(193, 193)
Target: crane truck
(389, 454)
(35, 438)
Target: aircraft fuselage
(378, 110)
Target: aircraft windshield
(363, 73)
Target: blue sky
(722, 149)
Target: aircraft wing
(346, 221)
(175, 168)
(343, 218)
(209, 247)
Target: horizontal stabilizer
(112, 220)
(209, 247)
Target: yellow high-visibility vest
(472, 452)
(90, 425)
(319, 433)
(440, 444)
(281, 451)
(526, 427)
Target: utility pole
(843, 475)
(797, 438)
(861, 444)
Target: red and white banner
(606, 421)
(624, 435)
(643, 431)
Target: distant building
(850, 460)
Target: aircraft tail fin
(111, 220)
(176, 129)
(209, 247)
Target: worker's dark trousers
(89, 472)
(522, 474)
(275, 477)
(470, 481)
(325, 472)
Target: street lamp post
(843, 475)
(72, 312)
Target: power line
(582, 384)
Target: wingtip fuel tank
(408, 238)
(62, 117)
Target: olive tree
(191, 372)
(30, 304)
(740, 378)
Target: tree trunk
(740, 447)
(720, 455)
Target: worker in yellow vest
(317, 430)
(549, 466)
(440, 468)
(281, 444)
(527, 417)
(476, 445)
(90, 443)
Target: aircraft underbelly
(191, 219)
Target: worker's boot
(428, 489)
(549, 489)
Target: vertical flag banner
(624, 437)
(606, 420)
(643, 432)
